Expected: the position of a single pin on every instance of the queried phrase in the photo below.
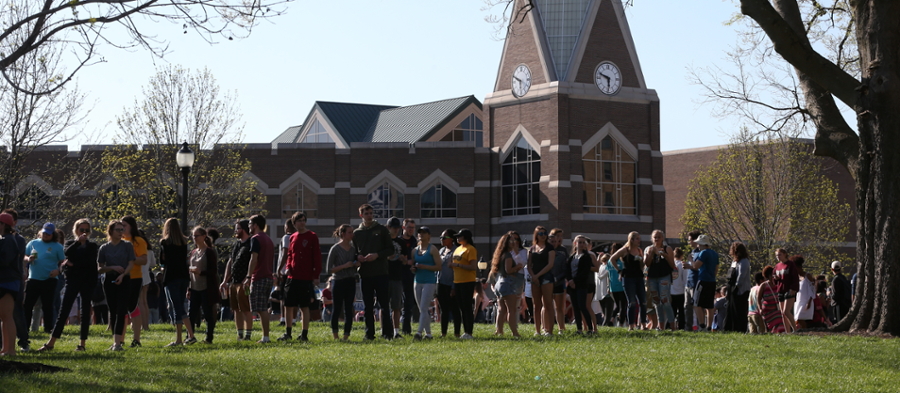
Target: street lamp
(185, 160)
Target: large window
(299, 198)
(610, 185)
(317, 134)
(32, 203)
(387, 201)
(562, 20)
(470, 129)
(438, 202)
(521, 175)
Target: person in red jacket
(787, 283)
(304, 265)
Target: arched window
(521, 175)
(610, 181)
(438, 202)
(387, 201)
(317, 134)
(470, 129)
(299, 198)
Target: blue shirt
(692, 275)
(615, 285)
(424, 276)
(710, 259)
(49, 255)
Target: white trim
(611, 217)
(576, 178)
(574, 142)
(611, 130)
(487, 183)
(390, 178)
(318, 115)
(541, 44)
(37, 181)
(581, 44)
(644, 181)
(582, 91)
(446, 221)
(299, 177)
(453, 122)
(544, 179)
(629, 42)
(513, 139)
(644, 146)
(522, 218)
(656, 153)
(559, 148)
(560, 184)
(659, 188)
(438, 176)
(546, 143)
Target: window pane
(428, 201)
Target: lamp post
(185, 160)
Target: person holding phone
(116, 259)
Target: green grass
(613, 361)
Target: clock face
(521, 80)
(608, 78)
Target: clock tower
(572, 125)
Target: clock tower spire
(573, 125)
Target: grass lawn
(613, 361)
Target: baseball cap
(394, 222)
(424, 229)
(49, 228)
(7, 219)
(703, 240)
(836, 265)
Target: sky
(403, 52)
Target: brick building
(569, 138)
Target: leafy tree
(138, 175)
(28, 122)
(769, 195)
(846, 52)
(82, 25)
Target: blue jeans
(176, 292)
(660, 291)
(637, 299)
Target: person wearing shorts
(235, 273)
(304, 265)
(262, 255)
(706, 262)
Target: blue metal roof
(352, 121)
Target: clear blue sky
(402, 52)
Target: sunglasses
(447, 237)
(84, 230)
(119, 229)
(542, 233)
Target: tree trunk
(876, 306)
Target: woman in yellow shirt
(136, 281)
(465, 267)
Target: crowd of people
(399, 276)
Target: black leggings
(84, 287)
(200, 301)
(621, 306)
(43, 290)
(343, 294)
(581, 308)
(117, 300)
(465, 301)
(448, 309)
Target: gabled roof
(288, 136)
(352, 121)
(416, 122)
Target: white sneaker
(466, 336)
